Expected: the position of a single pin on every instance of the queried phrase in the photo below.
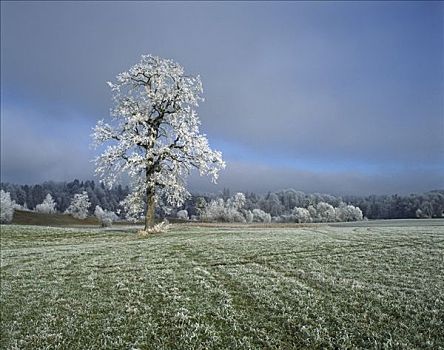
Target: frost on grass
(219, 288)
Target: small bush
(105, 217)
(182, 215)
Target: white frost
(154, 133)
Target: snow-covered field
(222, 287)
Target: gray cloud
(34, 151)
(262, 178)
(342, 85)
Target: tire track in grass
(351, 309)
(373, 297)
(198, 309)
(251, 334)
(372, 300)
(253, 316)
(268, 307)
(302, 254)
(221, 312)
(312, 321)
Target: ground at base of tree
(222, 287)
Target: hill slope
(39, 219)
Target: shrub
(47, 206)
(182, 214)
(23, 207)
(105, 217)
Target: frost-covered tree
(154, 135)
(200, 205)
(214, 211)
(79, 206)
(425, 211)
(261, 216)
(325, 212)
(312, 211)
(6, 207)
(226, 211)
(348, 213)
(237, 201)
(233, 208)
(419, 214)
(47, 206)
(234, 215)
(301, 215)
(271, 204)
(248, 216)
(105, 217)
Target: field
(372, 286)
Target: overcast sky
(335, 97)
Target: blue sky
(337, 97)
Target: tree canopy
(154, 135)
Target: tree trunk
(150, 209)
(150, 189)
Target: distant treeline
(424, 205)
(63, 192)
(428, 204)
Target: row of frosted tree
(30, 196)
(79, 208)
(235, 209)
(283, 206)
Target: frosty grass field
(224, 287)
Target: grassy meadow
(377, 286)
